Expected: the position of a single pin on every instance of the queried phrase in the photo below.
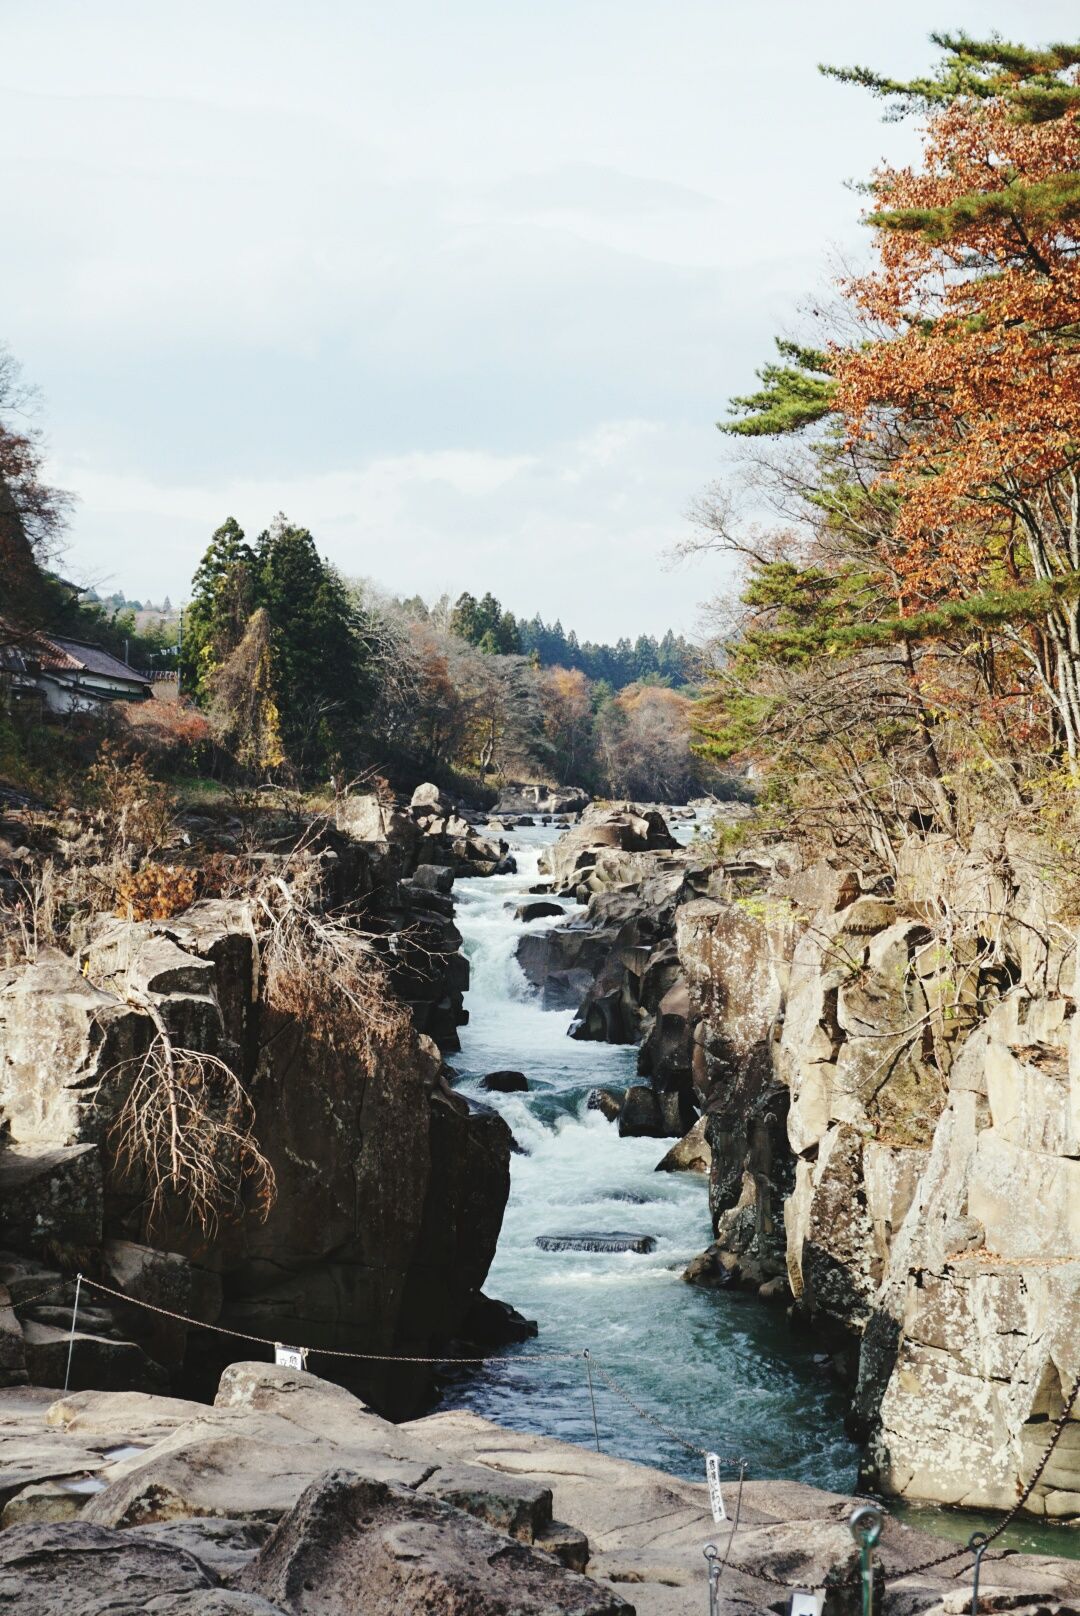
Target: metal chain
(620, 1392)
(651, 1419)
(1032, 1482)
(30, 1300)
(908, 1571)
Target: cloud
(576, 532)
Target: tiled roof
(77, 656)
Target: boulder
(505, 1082)
(620, 828)
(607, 1101)
(238, 1477)
(412, 1556)
(96, 1360)
(434, 877)
(491, 1323)
(539, 909)
(713, 1270)
(224, 1547)
(640, 1116)
(527, 800)
(691, 1154)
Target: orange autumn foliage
(974, 369)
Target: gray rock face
(590, 856)
(76, 1569)
(51, 1196)
(389, 1192)
(540, 799)
(409, 1554)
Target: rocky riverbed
(884, 1075)
(288, 1497)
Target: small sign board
(807, 1601)
(289, 1357)
(712, 1478)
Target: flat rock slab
(74, 1569)
(410, 1556)
(614, 1240)
(235, 1477)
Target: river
(722, 1370)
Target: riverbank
(288, 1494)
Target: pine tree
(317, 647)
(223, 596)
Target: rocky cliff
(357, 1202)
(886, 1076)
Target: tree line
(495, 630)
(300, 669)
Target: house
(68, 676)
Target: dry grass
(324, 971)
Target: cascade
(722, 1369)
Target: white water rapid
(722, 1369)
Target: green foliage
(222, 599)
(791, 396)
(318, 685)
(1038, 208)
(1028, 80)
(1029, 83)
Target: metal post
(592, 1397)
(978, 1543)
(71, 1343)
(712, 1556)
(865, 1525)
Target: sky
(462, 287)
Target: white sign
(289, 1357)
(807, 1601)
(712, 1477)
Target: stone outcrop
(598, 852)
(389, 1190)
(881, 1078)
(288, 1496)
(517, 800)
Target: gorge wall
(885, 1077)
(388, 1189)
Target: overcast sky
(461, 285)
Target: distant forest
(484, 623)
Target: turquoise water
(722, 1370)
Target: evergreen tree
(465, 619)
(507, 637)
(317, 648)
(223, 596)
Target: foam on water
(721, 1368)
